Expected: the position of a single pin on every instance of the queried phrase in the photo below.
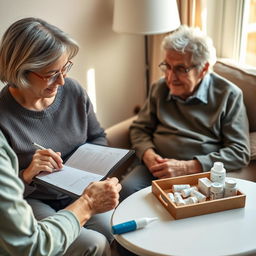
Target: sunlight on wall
(91, 89)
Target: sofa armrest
(118, 134)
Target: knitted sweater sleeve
(20, 232)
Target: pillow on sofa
(243, 78)
(253, 145)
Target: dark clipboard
(117, 170)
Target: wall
(118, 60)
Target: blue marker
(132, 225)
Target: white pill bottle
(218, 173)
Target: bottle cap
(216, 187)
(230, 183)
(218, 167)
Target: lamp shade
(145, 17)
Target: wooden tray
(161, 187)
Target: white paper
(96, 159)
(70, 179)
(89, 163)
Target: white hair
(193, 40)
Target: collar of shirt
(200, 95)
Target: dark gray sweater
(66, 124)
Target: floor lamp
(145, 17)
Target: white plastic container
(230, 188)
(171, 196)
(218, 173)
(191, 200)
(200, 197)
(217, 191)
(204, 185)
(179, 187)
(187, 191)
(178, 199)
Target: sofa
(118, 134)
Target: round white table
(231, 232)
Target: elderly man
(192, 117)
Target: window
(232, 26)
(248, 44)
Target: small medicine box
(161, 187)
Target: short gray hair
(31, 44)
(193, 40)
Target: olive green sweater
(20, 233)
(211, 125)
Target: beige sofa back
(244, 79)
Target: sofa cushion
(118, 134)
(246, 80)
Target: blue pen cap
(124, 227)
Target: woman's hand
(43, 160)
(103, 195)
(98, 197)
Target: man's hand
(172, 168)
(150, 158)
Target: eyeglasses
(177, 70)
(52, 79)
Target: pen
(42, 148)
(38, 146)
(132, 225)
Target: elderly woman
(192, 117)
(40, 104)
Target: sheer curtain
(192, 14)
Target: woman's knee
(89, 242)
(40, 209)
(101, 223)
